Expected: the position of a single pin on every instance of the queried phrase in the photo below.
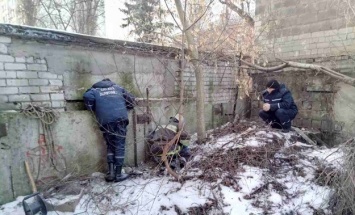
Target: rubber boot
(110, 176)
(286, 127)
(276, 125)
(120, 176)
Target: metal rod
(134, 116)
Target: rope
(46, 115)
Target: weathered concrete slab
(344, 108)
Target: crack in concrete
(12, 184)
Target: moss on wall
(127, 82)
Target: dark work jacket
(280, 98)
(109, 101)
(167, 133)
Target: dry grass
(343, 199)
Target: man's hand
(266, 107)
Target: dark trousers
(115, 137)
(280, 118)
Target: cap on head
(273, 84)
(178, 118)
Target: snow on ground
(273, 182)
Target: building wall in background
(294, 29)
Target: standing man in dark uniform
(110, 103)
(279, 109)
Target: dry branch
(265, 69)
(332, 73)
(243, 14)
(304, 136)
(33, 185)
(164, 155)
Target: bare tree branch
(239, 11)
(330, 72)
(265, 69)
(80, 16)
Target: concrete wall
(54, 69)
(78, 150)
(292, 29)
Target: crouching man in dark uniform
(161, 136)
(110, 103)
(279, 109)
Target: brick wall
(26, 79)
(56, 69)
(219, 83)
(293, 29)
(313, 94)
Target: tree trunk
(239, 11)
(194, 55)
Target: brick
(321, 39)
(4, 99)
(17, 82)
(1, 67)
(27, 74)
(47, 104)
(47, 75)
(316, 124)
(15, 66)
(11, 74)
(306, 105)
(37, 67)
(42, 104)
(3, 49)
(7, 58)
(19, 98)
(57, 96)
(351, 36)
(58, 104)
(37, 60)
(307, 123)
(56, 82)
(40, 97)
(50, 89)
(4, 74)
(60, 77)
(29, 89)
(20, 59)
(314, 40)
(29, 60)
(305, 36)
(38, 82)
(326, 125)
(4, 39)
(8, 90)
(2, 83)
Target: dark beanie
(273, 84)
